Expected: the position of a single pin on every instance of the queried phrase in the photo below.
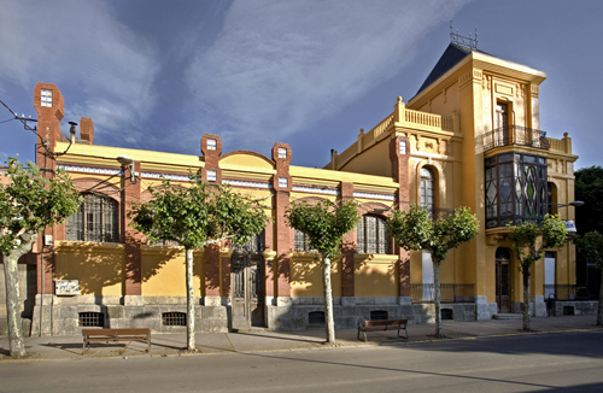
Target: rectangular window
(402, 147)
(282, 182)
(211, 175)
(211, 144)
(282, 152)
(46, 99)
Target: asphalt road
(562, 362)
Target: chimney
(87, 129)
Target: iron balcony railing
(569, 292)
(516, 136)
(449, 293)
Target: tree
(591, 245)
(196, 216)
(529, 242)
(414, 230)
(325, 223)
(28, 204)
(589, 188)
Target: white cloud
(279, 66)
(79, 45)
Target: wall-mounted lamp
(128, 163)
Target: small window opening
(447, 313)
(174, 319)
(92, 319)
(379, 315)
(316, 318)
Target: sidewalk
(259, 340)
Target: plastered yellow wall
(306, 275)
(375, 275)
(164, 271)
(99, 267)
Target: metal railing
(449, 293)
(516, 136)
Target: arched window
(427, 191)
(371, 236)
(96, 221)
(302, 242)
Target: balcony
(449, 293)
(515, 136)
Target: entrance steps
(507, 316)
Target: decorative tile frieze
(152, 175)
(368, 195)
(247, 184)
(86, 169)
(315, 190)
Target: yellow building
(470, 137)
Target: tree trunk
(328, 297)
(526, 299)
(436, 298)
(600, 308)
(11, 275)
(190, 302)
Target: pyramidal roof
(451, 57)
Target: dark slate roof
(451, 57)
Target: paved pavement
(259, 340)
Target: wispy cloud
(279, 66)
(79, 45)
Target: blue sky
(157, 75)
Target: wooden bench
(116, 335)
(385, 324)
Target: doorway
(247, 278)
(503, 298)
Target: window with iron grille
(256, 245)
(302, 242)
(92, 319)
(447, 313)
(96, 221)
(316, 318)
(174, 319)
(371, 236)
(379, 315)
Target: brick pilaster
(212, 270)
(281, 154)
(132, 239)
(399, 153)
(211, 147)
(348, 248)
(50, 109)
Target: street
(564, 362)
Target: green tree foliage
(28, 203)
(529, 243)
(325, 223)
(588, 188)
(414, 230)
(591, 245)
(196, 216)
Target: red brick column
(132, 239)
(50, 109)
(399, 153)
(281, 154)
(348, 249)
(211, 147)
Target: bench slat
(116, 335)
(384, 324)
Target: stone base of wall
(461, 312)
(483, 309)
(537, 307)
(60, 315)
(573, 307)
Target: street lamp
(128, 163)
